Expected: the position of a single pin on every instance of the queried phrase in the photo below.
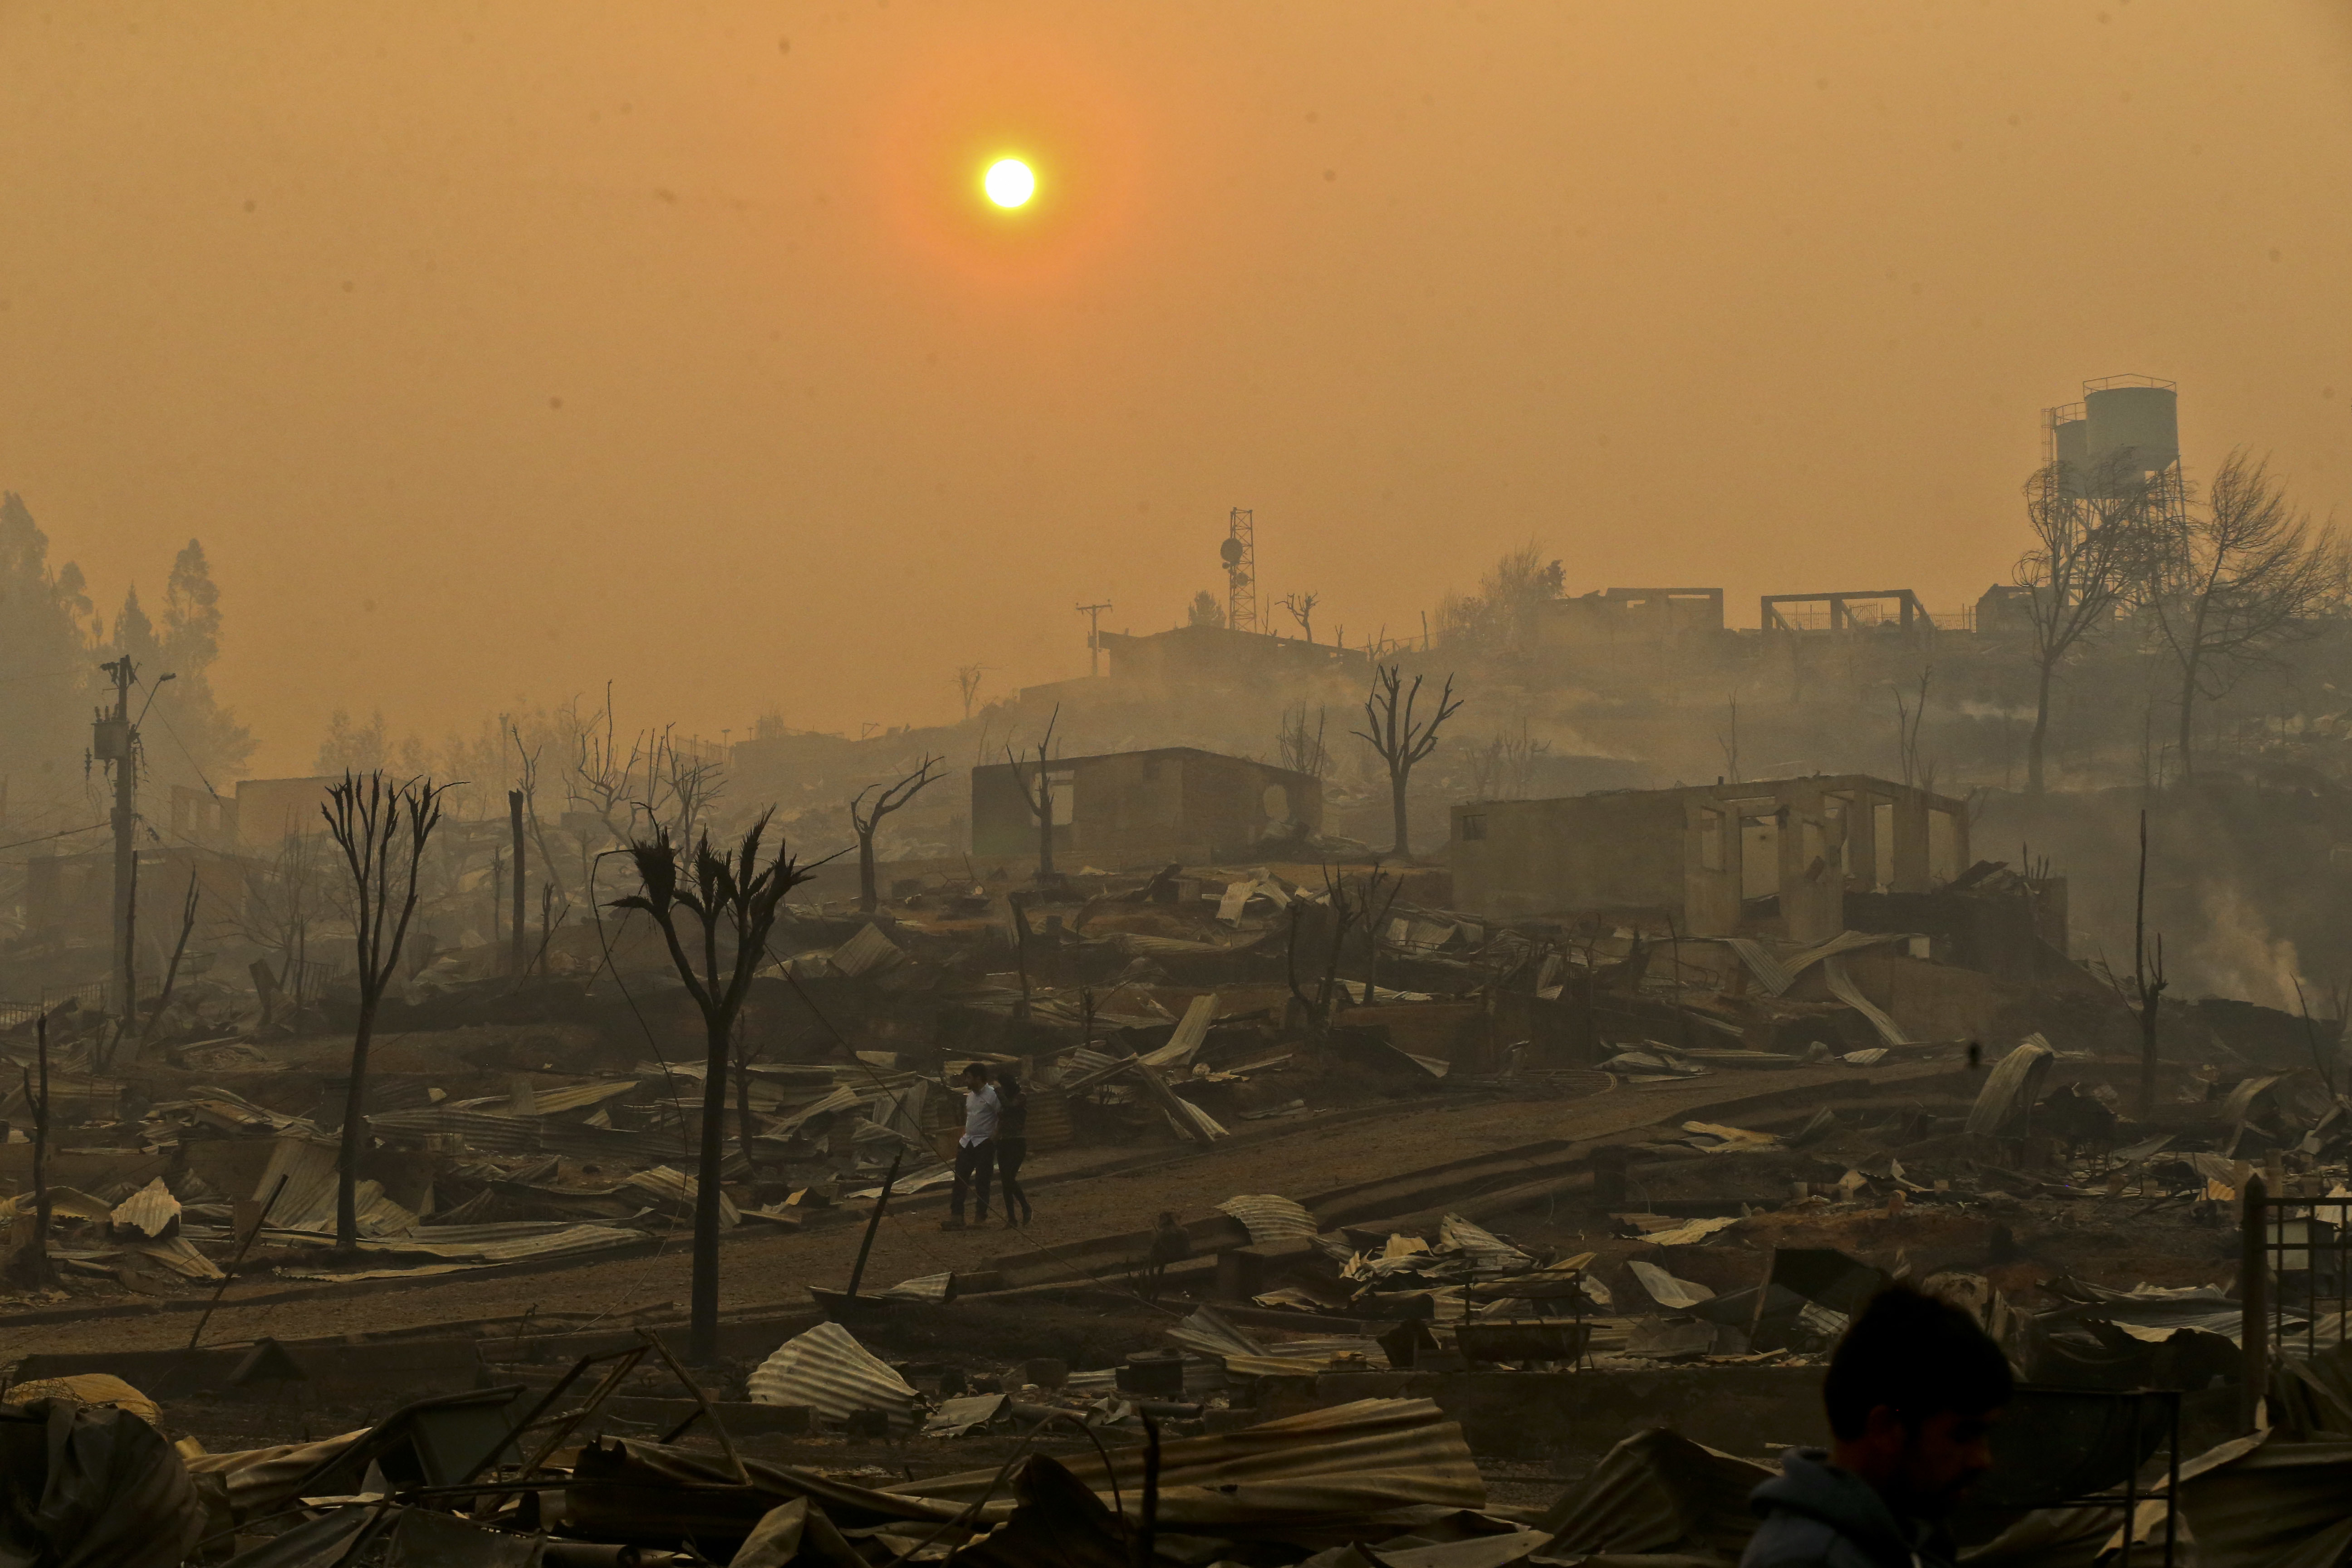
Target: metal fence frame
(2314, 1236)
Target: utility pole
(112, 740)
(1093, 614)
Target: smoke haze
(497, 352)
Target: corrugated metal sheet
(2016, 1075)
(911, 1182)
(308, 1201)
(867, 952)
(244, 1112)
(178, 1256)
(828, 1370)
(1489, 1253)
(925, 1288)
(1207, 1333)
(68, 1202)
(1844, 941)
(529, 1135)
(151, 1211)
(1049, 1121)
(1666, 1290)
(1191, 1031)
(2253, 1503)
(1658, 1492)
(259, 1479)
(840, 1098)
(678, 1189)
(98, 1390)
(1770, 972)
(1270, 1218)
(308, 1168)
(1337, 1464)
(503, 1243)
(1842, 987)
(555, 1102)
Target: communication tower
(1239, 552)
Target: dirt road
(773, 1268)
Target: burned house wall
(1520, 857)
(1230, 802)
(1767, 859)
(1001, 822)
(1125, 806)
(1134, 808)
(1631, 618)
(270, 810)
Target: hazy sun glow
(1009, 182)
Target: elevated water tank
(2137, 413)
(2070, 437)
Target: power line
(198, 767)
(62, 832)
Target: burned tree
(1301, 608)
(30, 1265)
(2148, 980)
(738, 897)
(1401, 739)
(865, 821)
(1038, 797)
(172, 971)
(1301, 749)
(2232, 583)
(967, 678)
(381, 829)
(2089, 534)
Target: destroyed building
(1136, 808)
(1220, 656)
(1773, 858)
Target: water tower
(2131, 419)
(2135, 418)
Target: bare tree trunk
(347, 1221)
(1397, 783)
(33, 1262)
(745, 1124)
(2149, 984)
(867, 896)
(702, 1327)
(2188, 716)
(2041, 730)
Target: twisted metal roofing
(828, 1370)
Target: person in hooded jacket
(1911, 1392)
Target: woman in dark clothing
(1011, 1146)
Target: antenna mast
(1239, 552)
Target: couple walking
(995, 1138)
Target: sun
(1009, 182)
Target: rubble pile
(1583, 1327)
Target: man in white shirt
(976, 1149)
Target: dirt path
(775, 1268)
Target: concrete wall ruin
(1137, 808)
(1768, 859)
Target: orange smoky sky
(495, 350)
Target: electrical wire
(61, 833)
(172, 731)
